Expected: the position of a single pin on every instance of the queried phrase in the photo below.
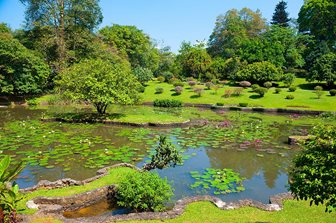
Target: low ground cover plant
(167, 103)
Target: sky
(169, 22)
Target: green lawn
(305, 98)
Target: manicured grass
(114, 177)
(305, 98)
(199, 212)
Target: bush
(144, 191)
(261, 91)
(288, 79)
(192, 83)
(332, 92)
(178, 83)
(227, 93)
(54, 99)
(290, 97)
(208, 85)
(143, 74)
(268, 84)
(173, 80)
(159, 90)
(245, 84)
(292, 89)
(141, 89)
(167, 103)
(243, 104)
(161, 79)
(198, 91)
(278, 90)
(215, 88)
(178, 90)
(223, 82)
(255, 86)
(318, 91)
(318, 88)
(167, 75)
(220, 104)
(238, 91)
(32, 102)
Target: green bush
(144, 191)
(288, 79)
(243, 104)
(178, 90)
(292, 89)
(141, 88)
(278, 90)
(290, 97)
(261, 91)
(332, 92)
(178, 83)
(318, 90)
(220, 104)
(198, 91)
(161, 79)
(208, 85)
(167, 103)
(143, 74)
(268, 84)
(32, 102)
(159, 90)
(255, 86)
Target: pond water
(253, 145)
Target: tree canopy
(280, 16)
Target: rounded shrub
(318, 91)
(159, 90)
(208, 85)
(268, 84)
(161, 79)
(243, 104)
(277, 90)
(198, 91)
(178, 83)
(292, 89)
(245, 84)
(220, 104)
(290, 97)
(332, 92)
(318, 88)
(261, 91)
(144, 191)
(255, 86)
(178, 90)
(192, 83)
(141, 89)
(167, 103)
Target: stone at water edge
(31, 205)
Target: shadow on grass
(255, 96)
(195, 96)
(175, 94)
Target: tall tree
(318, 17)
(63, 17)
(280, 16)
(232, 29)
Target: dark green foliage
(288, 79)
(243, 104)
(259, 72)
(290, 97)
(220, 104)
(167, 103)
(261, 91)
(332, 92)
(255, 86)
(178, 83)
(159, 90)
(313, 174)
(166, 155)
(324, 69)
(161, 79)
(292, 88)
(21, 71)
(277, 90)
(144, 191)
(143, 74)
(4, 28)
(280, 16)
(268, 84)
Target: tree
(21, 71)
(324, 69)
(165, 155)
(313, 174)
(4, 28)
(318, 18)
(133, 43)
(259, 72)
(233, 28)
(280, 16)
(64, 17)
(99, 82)
(143, 74)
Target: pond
(252, 144)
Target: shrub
(141, 88)
(261, 91)
(290, 97)
(161, 79)
(178, 90)
(178, 83)
(243, 104)
(332, 92)
(245, 84)
(255, 86)
(238, 91)
(32, 102)
(198, 91)
(227, 93)
(215, 81)
(173, 80)
(167, 103)
(288, 79)
(208, 85)
(190, 79)
(268, 84)
(318, 91)
(292, 89)
(192, 83)
(223, 82)
(167, 75)
(159, 90)
(220, 104)
(277, 90)
(54, 99)
(143, 74)
(215, 88)
(144, 191)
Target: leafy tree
(63, 17)
(313, 174)
(166, 62)
(232, 29)
(143, 74)
(21, 71)
(259, 72)
(280, 16)
(4, 28)
(144, 191)
(100, 82)
(133, 43)
(317, 17)
(165, 155)
(324, 69)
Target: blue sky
(168, 21)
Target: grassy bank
(304, 96)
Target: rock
(220, 204)
(31, 205)
(292, 140)
(273, 207)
